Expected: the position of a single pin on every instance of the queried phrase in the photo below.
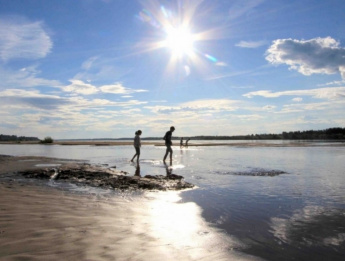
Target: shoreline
(235, 143)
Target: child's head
(138, 132)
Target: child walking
(137, 145)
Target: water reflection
(181, 227)
(137, 170)
(311, 226)
(168, 169)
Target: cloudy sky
(105, 68)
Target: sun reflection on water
(181, 226)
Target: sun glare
(180, 41)
(175, 34)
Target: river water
(281, 203)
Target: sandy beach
(44, 223)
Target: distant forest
(16, 138)
(327, 134)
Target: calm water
(299, 215)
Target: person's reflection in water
(168, 169)
(137, 171)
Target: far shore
(252, 143)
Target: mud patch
(255, 172)
(86, 174)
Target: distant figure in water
(181, 142)
(187, 142)
(137, 145)
(168, 143)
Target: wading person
(168, 143)
(137, 145)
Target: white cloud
(318, 55)
(212, 104)
(322, 93)
(80, 87)
(23, 40)
(297, 99)
(118, 88)
(204, 106)
(247, 44)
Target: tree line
(327, 134)
(16, 138)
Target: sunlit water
(298, 215)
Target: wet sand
(44, 223)
(10, 164)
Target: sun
(175, 30)
(180, 40)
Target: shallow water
(297, 215)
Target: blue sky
(96, 69)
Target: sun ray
(174, 31)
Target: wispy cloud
(30, 99)
(248, 44)
(322, 93)
(23, 40)
(333, 83)
(318, 55)
(240, 8)
(23, 78)
(80, 87)
(88, 63)
(23, 99)
(226, 75)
